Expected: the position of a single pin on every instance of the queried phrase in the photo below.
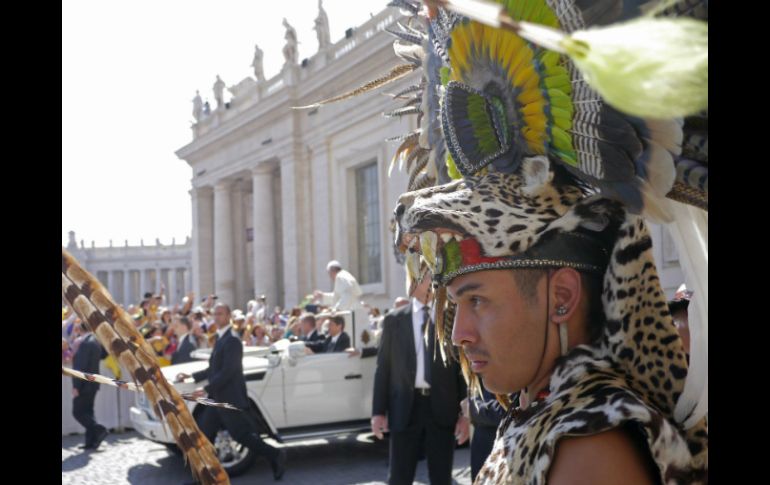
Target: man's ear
(566, 291)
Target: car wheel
(234, 457)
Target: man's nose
(463, 330)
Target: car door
(323, 388)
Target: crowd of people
(176, 330)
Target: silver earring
(561, 310)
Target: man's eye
(475, 301)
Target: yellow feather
(535, 108)
(535, 140)
(522, 54)
(457, 61)
(529, 96)
(536, 122)
(494, 43)
(531, 82)
(506, 51)
(458, 53)
(522, 76)
(479, 34)
(463, 39)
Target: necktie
(428, 352)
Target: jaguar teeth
(428, 245)
(413, 265)
(446, 237)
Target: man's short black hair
(307, 316)
(527, 280)
(338, 320)
(225, 305)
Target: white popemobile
(293, 396)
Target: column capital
(223, 185)
(262, 169)
(201, 190)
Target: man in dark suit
(227, 384)
(416, 395)
(86, 359)
(485, 413)
(337, 341)
(186, 341)
(309, 331)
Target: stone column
(183, 289)
(111, 284)
(127, 287)
(202, 274)
(265, 254)
(224, 275)
(172, 296)
(239, 246)
(295, 201)
(145, 286)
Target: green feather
(561, 140)
(558, 112)
(499, 107)
(556, 70)
(444, 73)
(560, 98)
(556, 81)
(527, 9)
(451, 168)
(570, 158)
(452, 257)
(536, 11)
(561, 118)
(549, 58)
(483, 129)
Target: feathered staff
(394, 75)
(115, 330)
(130, 386)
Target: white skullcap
(333, 264)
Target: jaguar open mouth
(426, 248)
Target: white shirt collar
(417, 306)
(417, 321)
(222, 331)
